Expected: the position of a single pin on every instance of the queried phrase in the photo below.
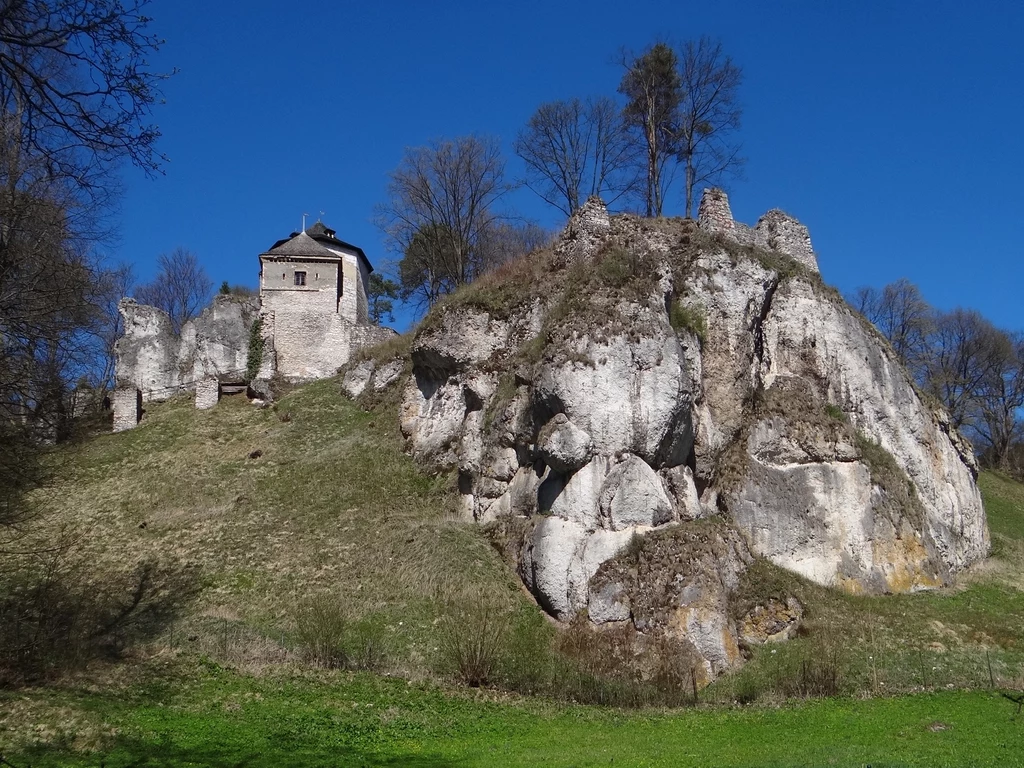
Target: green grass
(219, 718)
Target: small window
(300, 278)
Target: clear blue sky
(892, 129)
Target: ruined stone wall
(127, 405)
(207, 392)
(587, 229)
(368, 335)
(780, 232)
(775, 231)
(714, 214)
(151, 358)
(147, 353)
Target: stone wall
(308, 343)
(151, 358)
(587, 229)
(780, 232)
(207, 392)
(147, 353)
(368, 335)
(127, 404)
(348, 304)
(775, 231)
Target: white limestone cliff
(701, 389)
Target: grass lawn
(220, 718)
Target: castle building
(313, 290)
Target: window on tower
(300, 278)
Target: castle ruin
(308, 319)
(775, 231)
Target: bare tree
(709, 115)
(46, 281)
(441, 201)
(574, 149)
(652, 87)
(509, 240)
(181, 288)
(903, 316)
(965, 351)
(996, 413)
(74, 75)
(75, 96)
(112, 285)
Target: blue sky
(892, 129)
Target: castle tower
(313, 291)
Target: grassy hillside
(239, 551)
(262, 517)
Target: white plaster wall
(362, 301)
(349, 293)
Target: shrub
(834, 412)
(473, 637)
(327, 638)
(321, 629)
(256, 343)
(685, 317)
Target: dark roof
(312, 242)
(320, 229)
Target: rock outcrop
(674, 402)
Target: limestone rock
(633, 495)
(577, 498)
(387, 374)
(680, 486)
(552, 549)
(563, 446)
(357, 377)
(610, 602)
(633, 394)
(772, 622)
(653, 463)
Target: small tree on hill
(381, 294)
(441, 201)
